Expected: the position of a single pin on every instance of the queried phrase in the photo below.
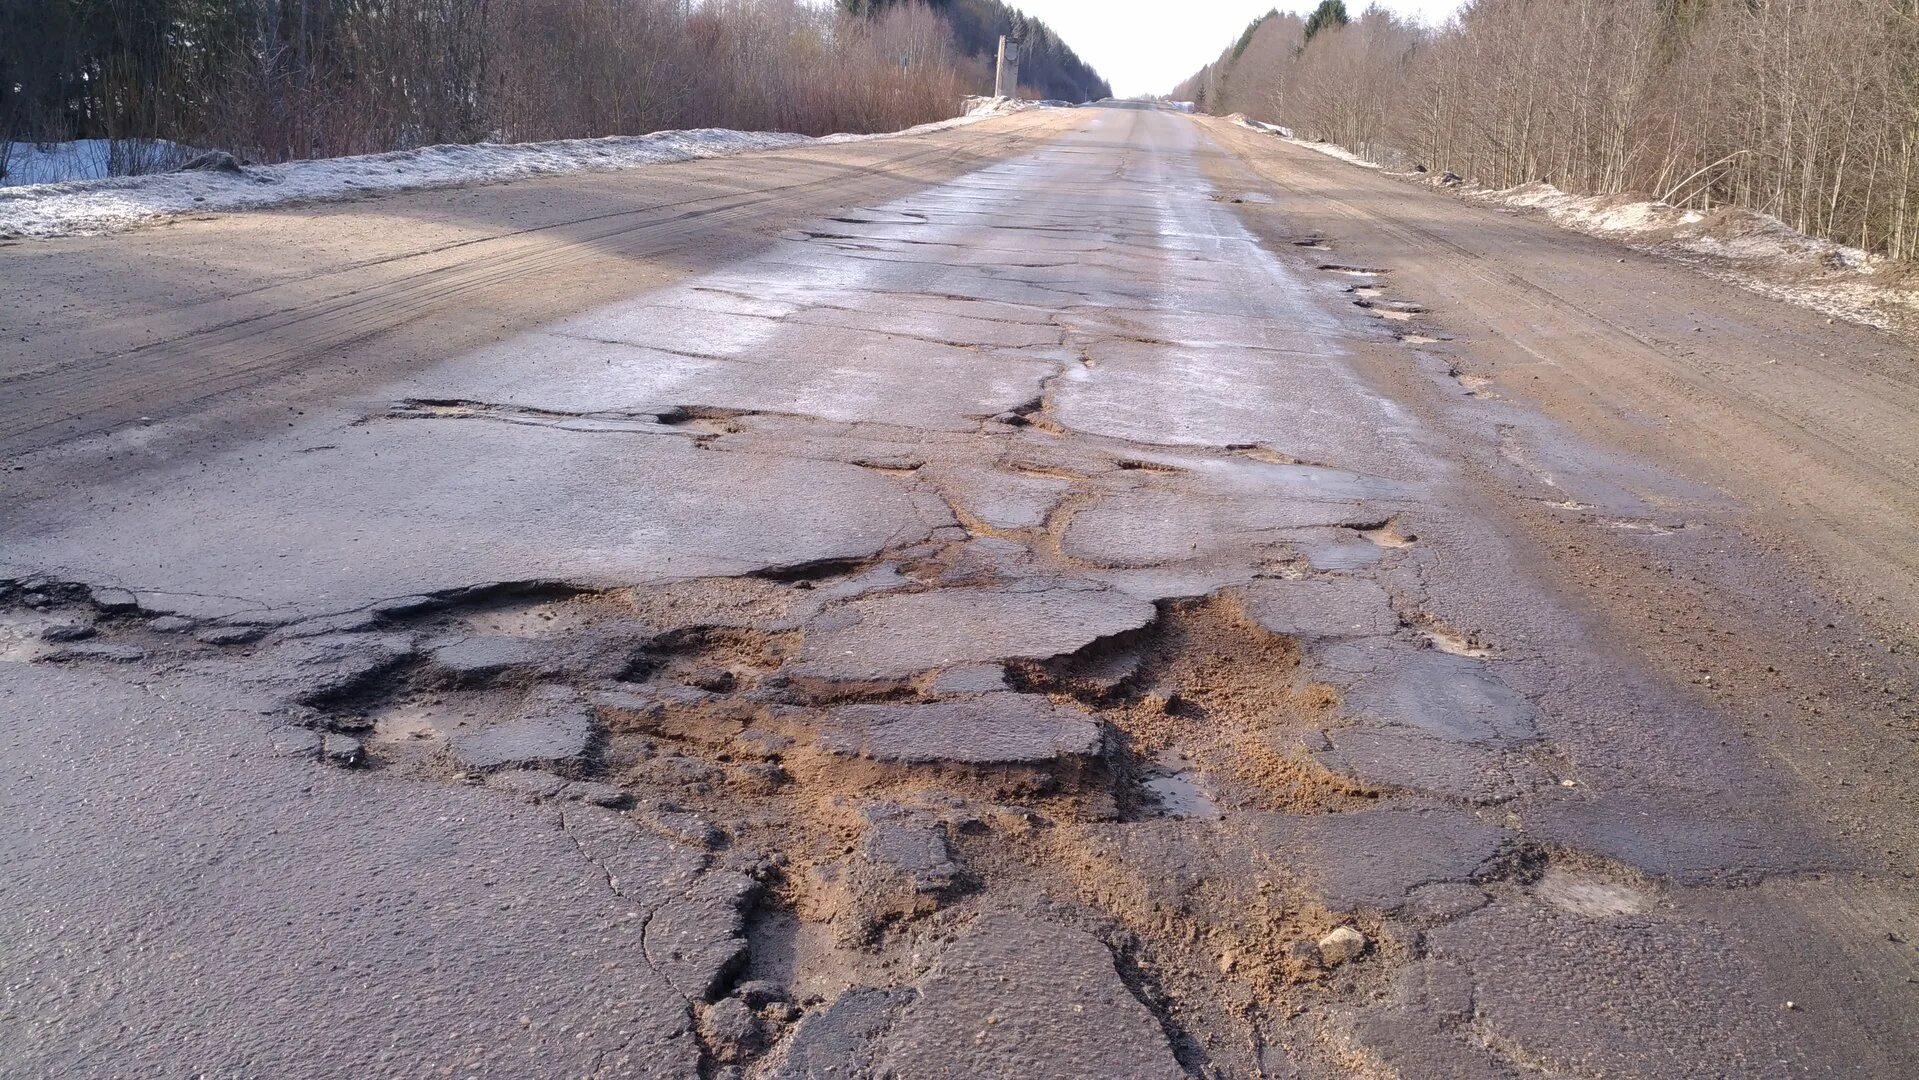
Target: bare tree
(1807, 110)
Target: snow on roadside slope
(977, 109)
(1753, 251)
(1335, 150)
(85, 207)
(1725, 233)
(1286, 134)
(96, 206)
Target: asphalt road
(1094, 593)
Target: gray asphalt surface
(1008, 630)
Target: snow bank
(1756, 251)
(1329, 149)
(979, 108)
(1332, 150)
(84, 207)
(1753, 251)
(1727, 233)
(974, 109)
(95, 206)
(1261, 126)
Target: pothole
(1135, 465)
(1395, 310)
(1586, 894)
(1445, 638)
(1177, 789)
(1207, 684)
(409, 724)
(1475, 385)
(899, 466)
(1388, 534)
(20, 637)
(1651, 528)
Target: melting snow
(1753, 251)
(1329, 149)
(105, 204)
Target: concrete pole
(1006, 72)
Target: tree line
(1048, 67)
(1807, 110)
(275, 80)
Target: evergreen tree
(1328, 14)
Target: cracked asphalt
(1044, 599)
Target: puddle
(1368, 291)
(1179, 791)
(1351, 271)
(1420, 339)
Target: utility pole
(1006, 73)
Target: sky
(1146, 46)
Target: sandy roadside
(1782, 592)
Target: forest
(1048, 67)
(276, 80)
(1807, 111)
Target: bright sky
(1145, 46)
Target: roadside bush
(274, 80)
(1808, 112)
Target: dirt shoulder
(119, 332)
(1722, 484)
(1812, 423)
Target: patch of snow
(91, 206)
(978, 108)
(1285, 133)
(1260, 126)
(975, 110)
(1333, 150)
(1755, 251)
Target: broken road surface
(1058, 598)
